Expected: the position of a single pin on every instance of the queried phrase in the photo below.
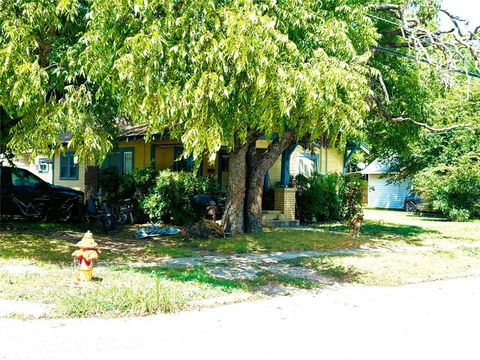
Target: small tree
(351, 194)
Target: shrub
(351, 194)
(136, 186)
(452, 190)
(318, 197)
(459, 215)
(109, 182)
(329, 197)
(171, 198)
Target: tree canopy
(208, 70)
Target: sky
(467, 9)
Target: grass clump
(330, 267)
(196, 274)
(149, 296)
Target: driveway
(437, 320)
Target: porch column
(266, 182)
(284, 201)
(285, 169)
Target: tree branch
(401, 119)
(451, 45)
(275, 148)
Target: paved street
(438, 320)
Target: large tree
(225, 73)
(220, 73)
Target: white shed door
(382, 194)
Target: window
(180, 163)
(43, 167)
(22, 178)
(68, 168)
(224, 163)
(308, 163)
(121, 160)
(127, 162)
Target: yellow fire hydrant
(85, 257)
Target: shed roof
(378, 166)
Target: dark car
(25, 194)
(413, 203)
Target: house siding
(382, 194)
(333, 160)
(140, 153)
(274, 173)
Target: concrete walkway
(247, 266)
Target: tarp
(155, 230)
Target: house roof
(378, 166)
(132, 132)
(127, 133)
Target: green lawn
(54, 243)
(397, 269)
(389, 269)
(122, 288)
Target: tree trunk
(91, 177)
(233, 218)
(257, 167)
(253, 199)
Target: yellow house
(133, 152)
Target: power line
(383, 19)
(408, 56)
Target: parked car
(413, 203)
(24, 194)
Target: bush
(452, 190)
(171, 198)
(137, 185)
(329, 197)
(109, 182)
(459, 215)
(351, 194)
(318, 197)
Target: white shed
(382, 191)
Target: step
(280, 216)
(281, 223)
(272, 212)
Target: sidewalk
(247, 266)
